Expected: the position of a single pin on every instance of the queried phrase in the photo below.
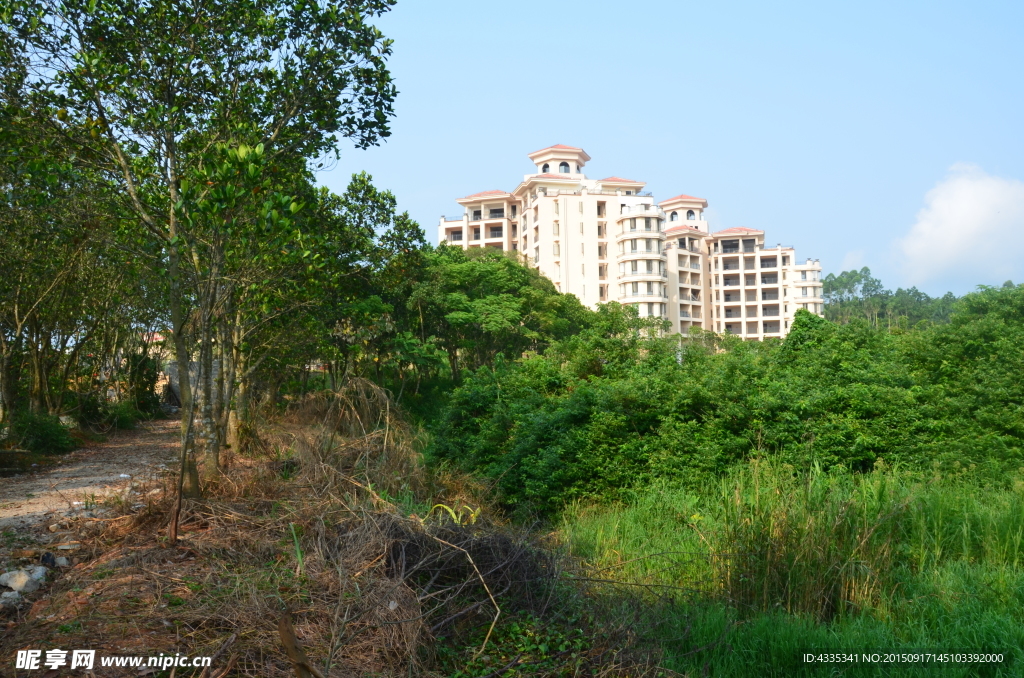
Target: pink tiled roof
(620, 180)
(563, 177)
(483, 193)
(683, 227)
(682, 197)
(737, 229)
(560, 147)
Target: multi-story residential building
(608, 240)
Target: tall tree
(168, 88)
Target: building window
(803, 291)
(554, 228)
(563, 168)
(546, 168)
(691, 215)
(495, 232)
(803, 275)
(477, 214)
(674, 216)
(636, 289)
(647, 223)
(456, 236)
(555, 249)
(600, 209)
(476, 234)
(632, 245)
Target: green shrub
(93, 411)
(41, 433)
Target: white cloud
(854, 259)
(971, 229)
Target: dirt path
(89, 474)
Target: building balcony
(644, 295)
(639, 234)
(644, 274)
(642, 210)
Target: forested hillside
(856, 294)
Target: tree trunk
(211, 448)
(227, 385)
(190, 486)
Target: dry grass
(312, 523)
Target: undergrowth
(329, 520)
(773, 563)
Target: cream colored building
(609, 240)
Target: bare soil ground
(88, 476)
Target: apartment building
(609, 240)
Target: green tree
(177, 96)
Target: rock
(70, 546)
(24, 553)
(62, 562)
(10, 598)
(54, 527)
(48, 560)
(37, 572)
(19, 580)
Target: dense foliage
(857, 294)
(616, 406)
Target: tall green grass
(770, 563)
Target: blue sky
(855, 133)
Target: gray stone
(19, 580)
(63, 562)
(11, 598)
(37, 572)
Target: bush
(93, 412)
(41, 433)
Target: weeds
(776, 562)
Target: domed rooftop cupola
(559, 159)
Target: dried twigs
(303, 667)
